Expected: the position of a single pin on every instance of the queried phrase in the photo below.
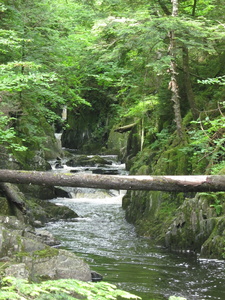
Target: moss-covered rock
(151, 212)
(5, 209)
(183, 224)
(178, 221)
(191, 226)
(214, 246)
(87, 131)
(26, 255)
(117, 143)
(84, 160)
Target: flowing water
(110, 245)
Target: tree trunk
(125, 128)
(187, 83)
(173, 85)
(199, 183)
(194, 8)
(13, 195)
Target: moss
(187, 119)
(214, 246)
(172, 162)
(151, 212)
(47, 252)
(3, 266)
(22, 254)
(5, 210)
(44, 253)
(143, 170)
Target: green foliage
(142, 107)
(162, 139)
(13, 80)
(8, 135)
(207, 143)
(110, 56)
(216, 200)
(220, 80)
(63, 289)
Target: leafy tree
(38, 63)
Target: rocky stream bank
(26, 250)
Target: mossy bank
(178, 221)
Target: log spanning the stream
(198, 183)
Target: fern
(63, 289)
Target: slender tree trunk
(187, 83)
(187, 79)
(173, 85)
(199, 183)
(142, 133)
(194, 8)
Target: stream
(111, 247)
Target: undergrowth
(63, 289)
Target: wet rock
(214, 246)
(46, 211)
(46, 237)
(106, 171)
(83, 160)
(96, 276)
(62, 193)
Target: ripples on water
(109, 244)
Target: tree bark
(173, 85)
(125, 128)
(187, 83)
(194, 8)
(13, 195)
(195, 183)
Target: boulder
(52, 264)
(27, 257)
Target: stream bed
(111, 247)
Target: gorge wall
(181, 222)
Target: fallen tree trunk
(125, 128)
(13, 195)
(198, 183)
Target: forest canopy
(159, 63)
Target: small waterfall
(58, 137)
(64, 113)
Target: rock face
(26, 256)
(179, 223)
(195, 227)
